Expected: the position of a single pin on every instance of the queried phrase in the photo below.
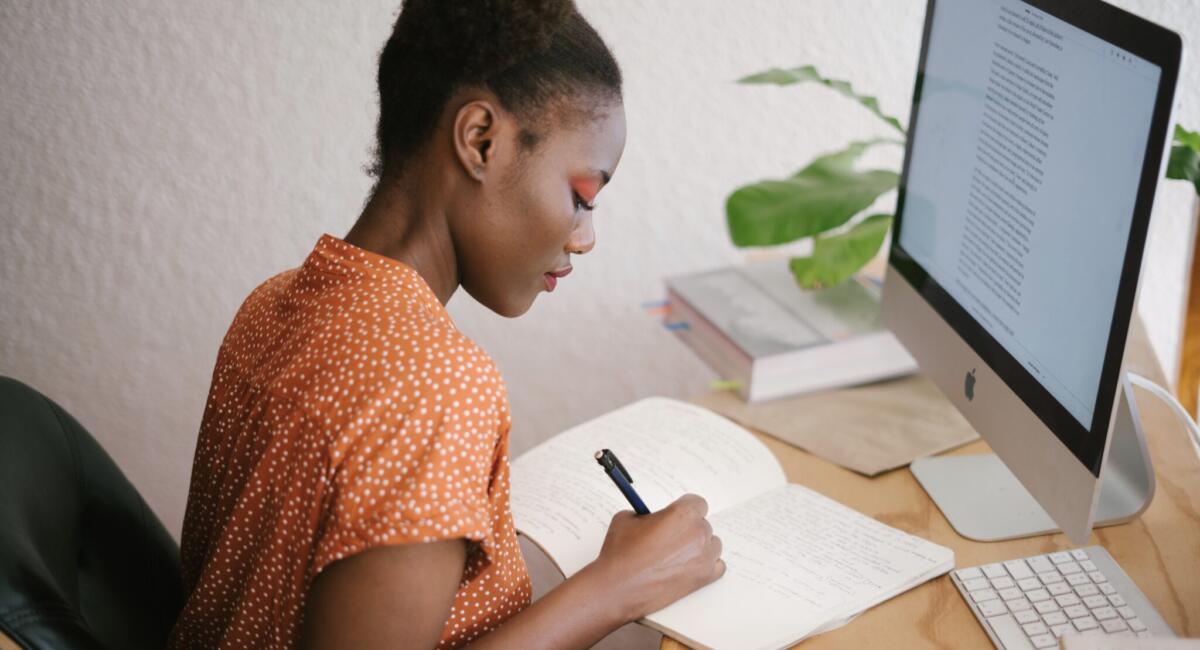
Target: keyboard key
(1058, 588)
(1050, 577)
(1126, 612)
(1087, 565)
(1040, 564)
(992, 608)
(1003, 583)
(1027, 616)
(1079, 554)
(1095, 601)
(1020, 604)
(1060, 557)
(994, 570)
(1076, 611)
(1037, 595)
(1009, 594)
(1085, 623)
(969, 574)
(1067, 568)
(1104, 613)
(1113, 625)
(1107, 589)
(1044, 641)
(1007, 631)
(982, 595)
(1087, 590)
(1033, 629)
(1018, 569)
(1136, 625)
(1029, 584)
(1061, 629)
(1096, 576)
(1066, 600)
(1054, 618)
(1076, 579)
(1046, 606)
(975, 584)
(1116, 600)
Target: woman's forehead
(595, 144)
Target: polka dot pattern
(346, 413)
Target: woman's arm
(646, 563)
(401, 596)
(387, 597)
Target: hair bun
(481, 37)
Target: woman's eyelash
(580, 203)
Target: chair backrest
(84, 563)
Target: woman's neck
(404, 221)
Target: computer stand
(984, 501)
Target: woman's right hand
(658, 558)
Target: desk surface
(1160, 550)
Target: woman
(350, 484)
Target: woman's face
(534, 210)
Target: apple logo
(969, 387)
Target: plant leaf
(808, 73)
(824, 195)
(1187, 138)
(839, 256)
(1184, 163)
(841, 161)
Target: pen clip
(617, 463)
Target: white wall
(158, 160)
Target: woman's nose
(583, 238)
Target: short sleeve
(413, 468)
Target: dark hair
(530, 53)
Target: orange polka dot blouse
(346, 413)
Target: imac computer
(1035, 144)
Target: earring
(479, 170)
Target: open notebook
(797, 563)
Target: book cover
(754, 324)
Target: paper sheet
(798, 561)
(563, 500)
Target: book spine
(707, 342)
(862, 359)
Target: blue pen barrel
(634, 500)
(620, 476)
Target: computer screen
(1027, 152)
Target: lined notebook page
(797, 562)
(563, 501)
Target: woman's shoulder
(397, 364)
(407, 342)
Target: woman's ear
(476, 127)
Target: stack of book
(759, 330)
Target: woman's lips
(553, 276)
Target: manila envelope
(869, 429)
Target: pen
(619, 475)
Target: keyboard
(1030, 602)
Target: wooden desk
(1160, 550)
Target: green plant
(1185, 157)
(821, 200)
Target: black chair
(84, 563)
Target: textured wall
(158, 160)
